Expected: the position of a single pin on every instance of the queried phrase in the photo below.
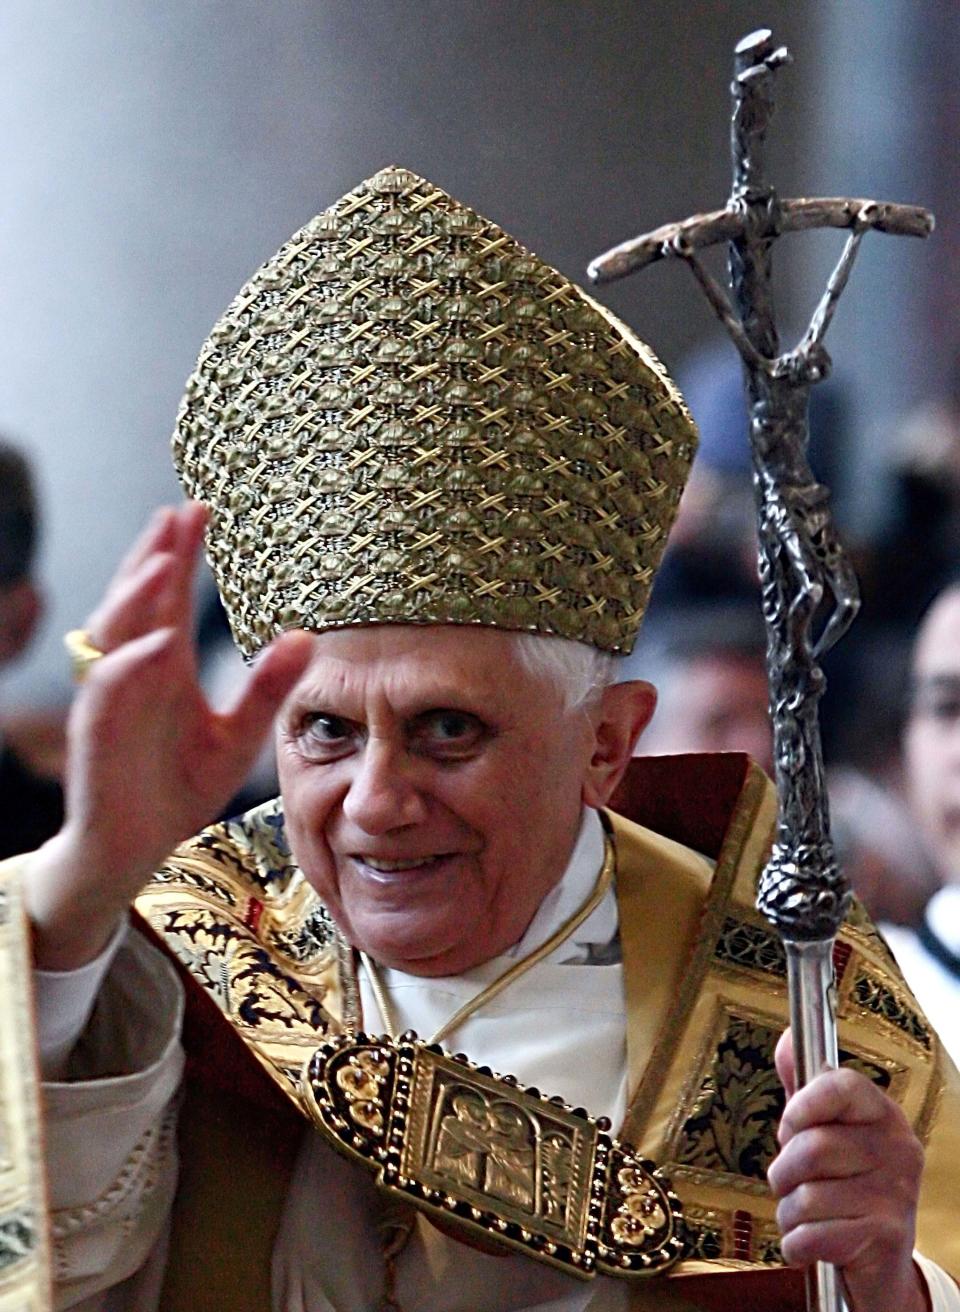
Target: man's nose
(384, 792)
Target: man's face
(932, 741)
(432, 789)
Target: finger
(130, 607)
(124, 666)
(118, 687)
(824, 1153)
(157, 536)
(176, 606)
(158, 539)
(838, 1242)
(190, 523)
(275, 673)
(785, 1064)
(122, 721)
(843, 1096)
(827, 1200)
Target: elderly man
(421, 445)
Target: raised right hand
(148, 762)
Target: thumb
(277, 670)
(786, 1067)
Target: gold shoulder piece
(475, 1149)
(237, 913)
(707, 1103)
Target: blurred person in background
(708, 666)
(880, 848)
(711, 560)
(31, 806)
(712, 556)
(899, 582)
(930, 956)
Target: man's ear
(20, 610)
(623, 713)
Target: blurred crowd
(891, 715)
(31, 803)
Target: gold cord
(513, 972)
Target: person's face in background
(932, 738)
(20, 609)
(717, 703)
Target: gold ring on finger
(82, 652)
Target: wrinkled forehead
(444, 663)
(442, 644)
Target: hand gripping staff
(802, 563)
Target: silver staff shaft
(813, 1023)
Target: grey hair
(578, 671)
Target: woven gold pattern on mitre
(405, 417)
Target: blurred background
(154, 155)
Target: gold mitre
(407, 418)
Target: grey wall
(881, 126)
(155, 154)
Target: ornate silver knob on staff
(803, 568)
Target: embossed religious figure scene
(480, 1014)
(489, 1147)
(460, 1150)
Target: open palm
(148, 762)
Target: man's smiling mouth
(385, 867)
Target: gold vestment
(706, 1001)
(24, 1251)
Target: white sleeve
(943, 1290)
(110, 1130)
(64, 1000)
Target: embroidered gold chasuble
(24, 1250)
(705, 984)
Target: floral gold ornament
(406, 417)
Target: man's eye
(326, 731)
(451, 732)
(328, 726)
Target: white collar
(569, 894)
